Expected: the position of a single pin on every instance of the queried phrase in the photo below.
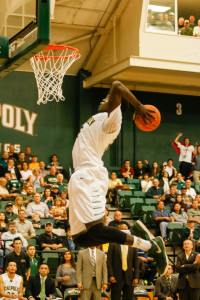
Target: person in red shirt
(126, 170)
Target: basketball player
(89, 183)
(11, 284)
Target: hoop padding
(50, 66)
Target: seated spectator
(179, 215)
(141, 169)
(37, 207)
(49, 240)
(10, 235)
(190, 191)
(155, 191)
(170, 199)
(4, 160)
(7, 176)
(181, 21)
(33, 261)
(28, 155)
(13, 185)
(146, 183)
(191, 233)
(162, 217)
(192, 22)
(179, 181)
(174, 178)
(18, 205)
(194, 212)
(21, 259)
(113, 184)
(43, 172)
(186, 30)
(54, 162)
(118, 220)
(155, 170)
(12, 169)
(55, 191)
(179, 200)
(21, 160)
(3, 222)
(170, 169)
(25, 227)
(28, 197)
(69, 241)
(27, 175)
(165, 287)
(62, 186)
(187, 199)
(11, 216)
(164, 182)
(12, 153)
(150, 269)
(66, 272)
(38, 180)
(63, 196)
(196, 31)
(126, 171)
(41, 285)
(4, 193)
(107, 219)
(46, 197)
(34, 164)
(59, 212)
(51, 179)
(36, 221)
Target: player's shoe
(140, 230)
(158, 252)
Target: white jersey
(92, 141)
(11, 286)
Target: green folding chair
(135, 182)
(151, 201)
(125, 199)
(175, 233)
(136, 206)
(146, 215)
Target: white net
(50, 66)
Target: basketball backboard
(24, 31)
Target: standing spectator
(126, 171)
(4, 160)
(27, 175)
(38, 180)
(41, 286)
(155, 191)
(187, 199)
(34, 164)
(69, 241)
(170, 168)
(25, 227)
(162, 217)
(189, 276)
(49, 240)
(28, 155)
(21, 160)
(192, 22)
(12, 169)
(21, 259)
(51, 179)
(66, 272)
(11, 284)
(141, 169)
(123, 270)
(9, 212)
(196, 165)
(43, 172)
(118, 220)
(179, 181)
(10, 235)
(190, 190)
(165, 288)
(91, 273)
(37, 207)
(33, 260)
(194, 212)
(196, 30)
(18, 205)
(186, 30)
(146, 183)
(186, 152)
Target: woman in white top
(146, 183)
(164, 182)
(38, 180)
(27, 174)
(18, 205)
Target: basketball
(149, 126)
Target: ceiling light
(158, 8)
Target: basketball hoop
(50, 66)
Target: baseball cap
(187, 21)
(9, 204)
(183, 187)
(48, 223)
(55, 186)
(190, 221)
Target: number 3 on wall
(179, 109)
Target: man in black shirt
(49, 240)
(21, 259)
(140, 170)
(118, 220)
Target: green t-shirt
(186, 32)
(62, 187)
(34, 266)
(13, 184)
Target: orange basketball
(149, 126)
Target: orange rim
(56, 47)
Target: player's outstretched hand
(145, 114)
